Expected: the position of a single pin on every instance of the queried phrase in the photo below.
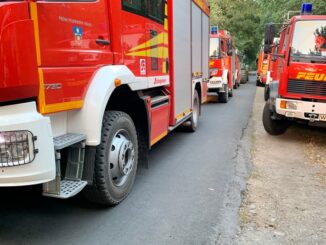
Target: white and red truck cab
(298, 89)
(88, 87)
(222, 64)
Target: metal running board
(181, 121)
(68, 188)
(71, 184)
(66, 140)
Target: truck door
(74, 41)
(282, 48)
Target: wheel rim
(121, 158)
(195, 112)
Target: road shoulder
(285, 199)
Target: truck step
(68, 188)
(66, 140)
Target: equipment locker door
(182, 57)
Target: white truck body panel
(42, 169)
(88, 120)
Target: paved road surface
(178, 200)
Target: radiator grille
(307, 87)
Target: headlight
(16, 148)
(214, 72)
(291, 105)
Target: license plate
(322, 117)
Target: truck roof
(308, 17)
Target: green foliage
(246, 20)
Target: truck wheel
(195, 113)
(224, 97)
(231, 92)
(273, 127)
(116, 160)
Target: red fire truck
(222, 64)
(271, 65)
(298, 89)
(87, 88)
(262, 68)
(238, 71)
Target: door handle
(102, 42)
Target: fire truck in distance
(222, 64)
(87, 88)
(238, 70)
(298, 89)
(273, 49)
(262, 68)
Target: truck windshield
(309, 41)
(214, 48)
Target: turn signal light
(283, 104)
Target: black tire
(266, 93)
(104, 190)
(231, 93)
(224, 97)
(194, 120)
(273, 127)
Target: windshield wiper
(310, 58)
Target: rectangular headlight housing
(17, 148)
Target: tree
(246, 19)
(242, 21)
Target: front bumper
(215, 83)
(42, 169)
(305, 110)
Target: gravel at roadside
(285, 200)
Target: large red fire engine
(222, 64)
(298, 89)
(98, 83)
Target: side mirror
(269, 37)
(267, 49)
(282, 55)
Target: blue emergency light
(306, 8)
(214, 30)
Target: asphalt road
(178, 200)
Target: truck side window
(286, 39)
(152, 9)
(134, 6)
(156, 9)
